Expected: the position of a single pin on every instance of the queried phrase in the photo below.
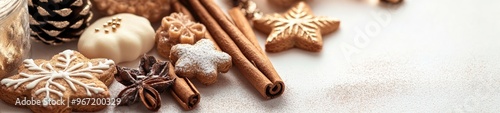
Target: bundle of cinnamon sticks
(246, 53)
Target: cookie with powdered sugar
(201, 60)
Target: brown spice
(251, 63)
(242, 23)
(178, 7)
(184, 91)
(146, 83)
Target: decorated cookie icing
(298, 27)
(68, 75)
(122, 37)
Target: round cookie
(122, 37)
(177, 29)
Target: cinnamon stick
(262, 76)
(241, 22)
(178, 7)
(250, 51)
(262, 62)
(183, 91)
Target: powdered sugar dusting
(200, 58)
(369, 87)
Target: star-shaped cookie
(201, 60)
(51, 85)
(298, 27)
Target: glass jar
(14, 35)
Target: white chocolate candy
(122, 37)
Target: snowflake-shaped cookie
(177, 29)
(68, 75)
(297, 27)
(201, 60)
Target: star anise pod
(145, 83)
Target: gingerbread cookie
(122, 37)
(177, 29)
(145, 83)
(153, 10)
(297, 27)
(67, 76)
(200, 60)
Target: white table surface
(430, 56)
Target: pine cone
(54, 22)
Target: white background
(428, 56)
